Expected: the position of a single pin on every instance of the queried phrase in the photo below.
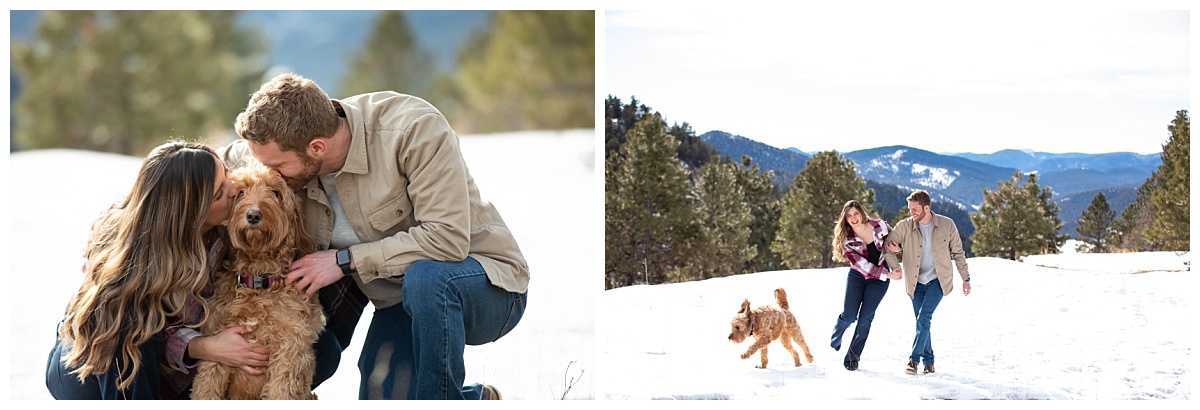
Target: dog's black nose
(253, 217)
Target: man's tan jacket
(409, 197)
(947, 246)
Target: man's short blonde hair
(290, 110)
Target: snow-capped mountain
(961, 179)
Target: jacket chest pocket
(391, 217)
(942, 239)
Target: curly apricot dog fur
(765, 324)
(267, 232)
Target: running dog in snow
(766, 324)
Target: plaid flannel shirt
(343, 303)
(856, 251)
(176, 375)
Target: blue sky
(944, 80)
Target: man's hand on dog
(314, 271)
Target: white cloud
(797, 78)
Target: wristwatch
(343, 260)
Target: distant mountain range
(1045, 162)
(785, 163)
(962, 178)
(959, 179)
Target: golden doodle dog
(766, 324)
(266, 233)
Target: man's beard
(311, 168)
(918, 216)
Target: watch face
(343, 257)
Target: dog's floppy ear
(745, 306)
(304, 242)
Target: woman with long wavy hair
(860, 241)
(149, 259)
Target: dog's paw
(761, 366)
(745, 355)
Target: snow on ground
(1070, 326)
(543, 183)
(1057, 327)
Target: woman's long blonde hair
(843, 228)
(145, 256)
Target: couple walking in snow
(871, 247)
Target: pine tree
(692, 151)
(901, 214)
(649, 223)
(1172, 222)
(1050, 223)
(1016, 220)
(618, 120)
(1130, 229)
(126, 81)
(1095, 226)
(531, 69)
(811, 208)
(391, 59)
(1159, 217)
(763, 198)
(722, 247)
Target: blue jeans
(862, 299)
(145, 385)
(925, 300)
(329, 356)
(414, 350)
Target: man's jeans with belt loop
(414, 350)
(925, 300)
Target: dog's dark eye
(277, 194)
(241, 194)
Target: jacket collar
(932, 220)
(356, 157)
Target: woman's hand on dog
(230, 348)
(314, 271)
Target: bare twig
(568, 383)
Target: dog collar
(262, 281)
